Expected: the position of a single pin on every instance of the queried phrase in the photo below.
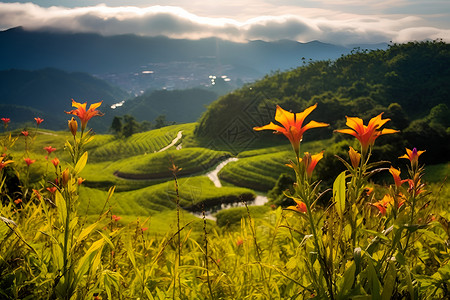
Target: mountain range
(136, 63)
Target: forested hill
(409, 82)
(48, 92)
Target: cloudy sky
(340, 22)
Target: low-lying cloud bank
(176, 22)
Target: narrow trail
(175, 140)
(213, 175)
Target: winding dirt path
(175, 140)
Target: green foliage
(232, 217)
(364, 84)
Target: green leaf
(61, 207)
(339, 194)
(374, 283)
(409, 283)
(346, 282)
(389, 281)
(81, 163)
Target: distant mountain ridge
(47, 94)
(97, 54)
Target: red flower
(29, 161)
(6, 120)
(52, 189)
(301, 206)
(115, 218)
(39, 121)
(36, 192)
(84, 115)
(80, 180)
(239, 242)
(49, 149)
(25, 133)
(55, 162)
(18, 201)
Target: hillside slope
(408, 82)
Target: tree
(160, 121)
(131, 126)
(116, 126)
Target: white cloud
(176, 22)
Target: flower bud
(65, 176)
(73, 126)
(355, 157)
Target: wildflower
(39, 121)
(387, 200)
(18, 201)
(55, 162)
(4, 163)
(29, 161)
(413, 156)
(36, 192)
(65, 176)
(115, 218)
(6, 121)
(396, 175)
(310, 162)
(73, 126)
(239, 242)
(25, 133)
(144, 229)
(84, 115)
(366, 134)
(80, 180)
(383, 203)
(52, 189)
(292, 125)
(355, 157)
(369, 190)
(49, 149)
(301, 206)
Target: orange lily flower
(39, 121)
(413, 156)
(49, 149)
(6, 120)
(383, 203)
(4, 163)
(292, 125)
(55, 162)
(29, 161)
(25, 133)
(366, 134)
(301, 206)
(310, 162)
(396, 175)
(84, 115)
(52, 189)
